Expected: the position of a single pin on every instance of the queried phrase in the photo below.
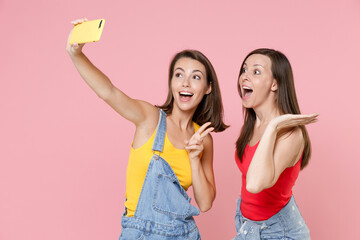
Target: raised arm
(133, 110)
(275, 154)
(203, 180)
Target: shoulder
(149, 110)
(148, 125)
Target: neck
(183, 120)
(265, 113)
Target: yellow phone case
(89, 31)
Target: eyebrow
(179, 68)
(258, 65)
(255, 65)
(198, 71)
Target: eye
(256, 72)
(178, 75)
(197, 77)
(243, 70)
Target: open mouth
(247, 92)
(185, 96)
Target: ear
(209, 89)
(274, 85)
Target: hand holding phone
(87, 31)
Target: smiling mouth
(185, 96)
(247, 92)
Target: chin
(246, 105)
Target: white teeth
(186, 93)
(247, 88)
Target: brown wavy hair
(210, 108)
(286, 101)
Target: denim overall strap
(163, 211)
(160, 132)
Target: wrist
(272, 127)
(75, 53)
(76, 56)
(195, 162)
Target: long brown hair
(286, 101)
(210, 108)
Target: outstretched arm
(275, 154)
(133, 110)
(203, 180)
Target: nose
(243, 77)
(186, 82)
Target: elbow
(253, 188)
(206, 202)
(102, 95)
(105, 94)
(256, 187)
(206, 205)
(204, 208)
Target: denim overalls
(286, 224)
(163, 211)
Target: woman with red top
(272, 148)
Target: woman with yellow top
(170, 151)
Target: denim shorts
(286, 224)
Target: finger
(68, 40)
(75, 22)
(194, 147)
(313, 120)
(194, 141)
(300, 119)
(310, 116)
(78, 21)
(206, 132)
(197, 134)
(306, 121)
(203, 127)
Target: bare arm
(203, 180)
(274, 155)
(133, 110)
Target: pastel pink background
(64, 152)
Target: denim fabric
(286, 224)
(163, 211)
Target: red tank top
(263, 205)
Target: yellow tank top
(138, 164)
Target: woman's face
(189, 84)
(256, 81)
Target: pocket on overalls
(194, 235)
(131, 234)
(170, 198)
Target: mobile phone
(89, 31)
